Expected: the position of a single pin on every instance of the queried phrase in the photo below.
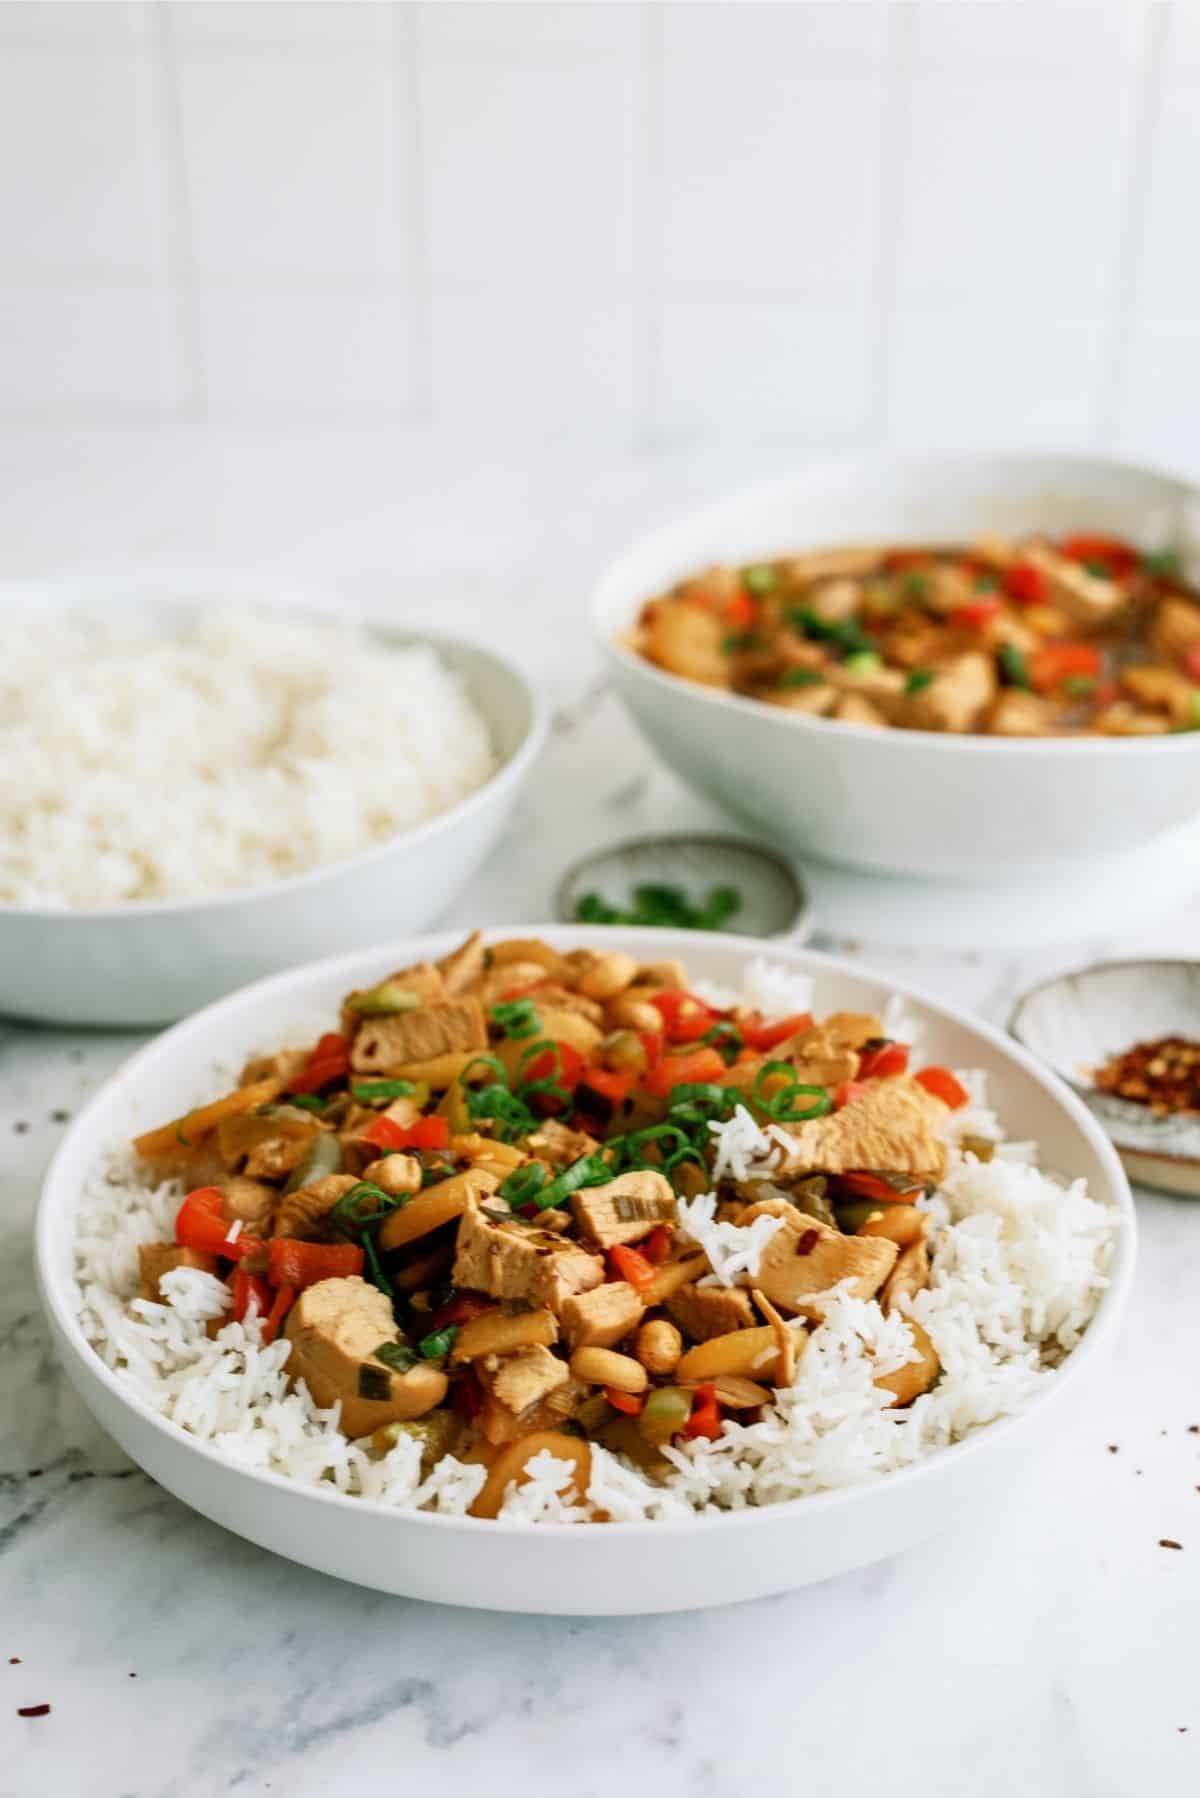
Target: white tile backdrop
(827, 224)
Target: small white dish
(623, 1569)
(954, 808)
(773, 900)
(151, 962)
(1077, 1022)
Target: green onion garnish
(919, 679)
(726, 1037)
(375, 1271)
(759, 579)
(589, 1170)
(736, 641)
(517, 1018)
(1014, 667)
(847, 634)
(864, 661)
(1079, 686)
(521, 1187)
(800, 677)
(438, 1342)
(370, 1092)
(397, 1355)
(779, 1106)
(663, 907)
(1163, 564)
(1098, 568)
(914, 586)
(986, 583)
(362, 1207)
(590, 908)
(307, 1101)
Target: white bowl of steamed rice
(196, 793)
(1031, 1245)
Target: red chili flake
(808, 1242)
(33, 1710)
(1113, 1449)
(1166, 1542)
(1194, 1429)
(1163, 1075)
(14, 1660)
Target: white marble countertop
(1048, 1649)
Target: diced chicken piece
(805, 1259)
(820, 564)
(945, 588)
(453, 1027)
(820, 1057)
(835, 600)
(625, 1209)
(914, 641)
(303, 1212)
(498, 1423)
(706, 1311)
(894, 1125)
(1087, 598)
(560, 1146)
(399, 1175)
(464, 965)
(714, 586)
(334, 1328)
(252, 1202)
(553, 996)
(523, 1380)
(286, 1064)
(816, 701)
(687, 639)
(274, 1157)
(854, 708)
(840, 1030)
(884, 687)
(909, 1276)
(1019, 714)
(517, 1261)
(1122, 719)
(1164, 689)
(600, 1318)
(1176, 627)
(955, 699)
(158, 1258)
(998, 552)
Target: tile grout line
(178, 262)
(1131, 235)
(648, 230)
(407, 49)
(892, 198)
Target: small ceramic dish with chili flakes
(1126, 1036)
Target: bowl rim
(1112, 1129)
(55, 1195)
(512, 768)
(627, 661)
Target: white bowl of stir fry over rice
(962, 666)
(458, 1270)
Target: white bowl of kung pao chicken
(605, 1271)
(957, 666)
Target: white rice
(138, 765)
(1020, 1262)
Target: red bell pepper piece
(543, 1067)
(285, 1298)
(847, 1092)
(977, 614)
(652, 1046)
(871, 1186)
(201, 1224)
(328, 1061)
(294, 1263)
(657, 1246)
(425, 1133)
(739, 611)
(898, 560)
(459, 1308)
(625, 1402)
(467, 1397)
(247, 1288)
(696, 1065)
(630, 1265)
(876, 1064)
(705, 1419)
(1119, 557)
(1025, 583)
(685, 1018)
(1054, 663)
(943, 1085)
(761, 1036)
(613, 1087)
(1191, 660)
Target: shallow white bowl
(623, 1569)
(1077, 1022)
(149, 963)
(910, 802)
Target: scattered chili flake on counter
(1163, 1074)
(1166, 1542)
(33, 1710)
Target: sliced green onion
(1079, 686)
(800, 677)
(307, 1101)
(1163, 564)
(517, 1018)
(375, 1271)
(590, 908)
(864, 661)
(914, 586)
(364, 1206)
(779, 1106)
(522, 1186)
(847, 634)
(589, 1170)
(919, 679)
(438, 1342)
(726, 1037)
(385, 1000)
(397, 1355)
(372, 1092)
(661, 905)
(737, 641)
(759, 579)
(1097, 567)
(1014, 667)
(986, 583)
